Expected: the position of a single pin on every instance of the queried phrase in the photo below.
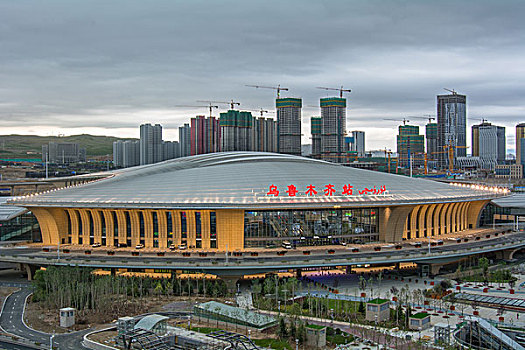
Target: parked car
(173, 246)
(183, 246)
(139, 246)
(96, 245)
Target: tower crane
(388, 152)
(426, 116)
(450, 150)
(278, 88)
(209, 106)
(232, 103)
(404, 120)
(341, 90)
(454, 92)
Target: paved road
(11, 322)
(265, 260)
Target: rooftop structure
(250, 199)
(231, 314)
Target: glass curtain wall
(310, 227)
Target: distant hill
(30, 146)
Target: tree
(282, 332)
(484, 264)
(361, 309)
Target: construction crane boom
(454, 92)
(404, 120)
(341, 90)
(232, 103)
(278, 88)
(210, 107)
(427, 116)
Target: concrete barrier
(90, 344)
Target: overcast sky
(104, 67)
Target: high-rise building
(333, 129)
(488, 143)
(359, 143)
(185, 140)
(410, 146)
(204, 135)
(117, 154)
(130, 153)
(452, 126)
(520, 143)
(236, 131)
(315, 127)
(150, 144)
(431, 135)
(289, 125)
(126, 153)
(170, 150)
(63, 153)
(264, 135)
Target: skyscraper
(185, 140)
(315, 128)
(488, 143)
(130, 153)
(117, 153)
(410, 146)
(264, 135)
(204, 135)
(150, 143)
(289, 124)
(333, 129)
(359, 143)
(520, 143)
(236, 131)
(452, 126)
(431, 135)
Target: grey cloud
(116, 64)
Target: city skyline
(117, 68)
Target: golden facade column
(230, 229)
(437, 220)
(73, 216)
(86, 227)
(422, 220)
(47, 225)
(448, 217)
(458, 216)
(121, 225)
(413, 222)
(97, 225)
(430, 223)
(163, 228)
(148, 228)
(177, 228)
(190, 224)
(110, 228)
(392, 223)
(205, 229)
(60, 218)
(464, 216)
(442, 221)
(135, 227)
(474, 211)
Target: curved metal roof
(243, 179)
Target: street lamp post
(296, 344)
(51, 341)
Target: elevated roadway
(260, 261)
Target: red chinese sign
(328, 190)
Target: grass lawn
(273, 344)
(337, 339)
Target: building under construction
(236, 131)
(289, 125)
(333, 129)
